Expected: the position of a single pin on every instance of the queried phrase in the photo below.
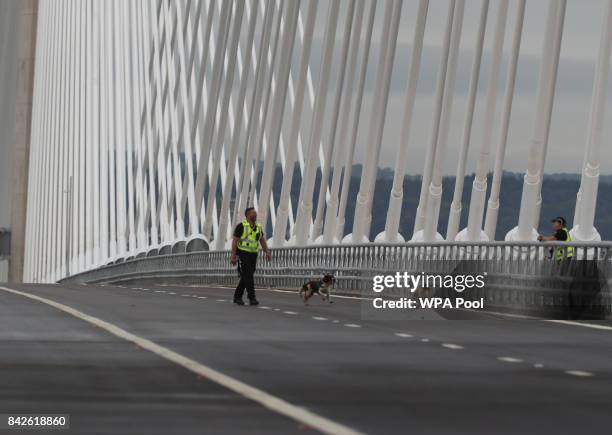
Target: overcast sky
(574, 86)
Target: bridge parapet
(519, 277)
(5, 243)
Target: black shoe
(253, 302)
(238, 301)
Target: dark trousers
(247, 262)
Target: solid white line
(269, 401)
(584, 325)
(509, 359)
(403, 335)
(562, 322)
(579, 373)
(452, 346)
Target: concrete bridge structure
(139, 131)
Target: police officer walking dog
(248, 235)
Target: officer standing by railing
(561, 234)
(248, 235)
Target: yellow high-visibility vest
(568, 252)
(249, 240)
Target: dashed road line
(352, 325)
(357, 298)
(538, 365)
(579, 373)
(319, 318)
(509, 359)
(452, 346)
(292, 313)
(403, 335)
(425, 340)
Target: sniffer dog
(321, 287)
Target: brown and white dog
(321, 287)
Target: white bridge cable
(356, 116)
(155, 123)
(455, 207)
(435, 127)
(363, 206)
(493, 203)
(331, 207)
(304, 212)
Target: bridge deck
(428, 376)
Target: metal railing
(519, 276)
(361, 261)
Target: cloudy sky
(574, 86)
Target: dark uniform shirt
(560, 235)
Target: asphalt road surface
(320, 368)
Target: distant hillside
(558, 193)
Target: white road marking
(171, 293)
(335, 321)
(452, 346)
(509, 359)
(357, 298)
(352, 325)
(160, 291)
(403, 335)
(202, 297)
(269, 401)
(319, 318)
(579, 373)
(276, 309)
(424, 340)
(265, 308)
(517, 316)
(186, 296)
(584, 325)
(220, 300)
(293, 313)
(538, 365)
(563, 322)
